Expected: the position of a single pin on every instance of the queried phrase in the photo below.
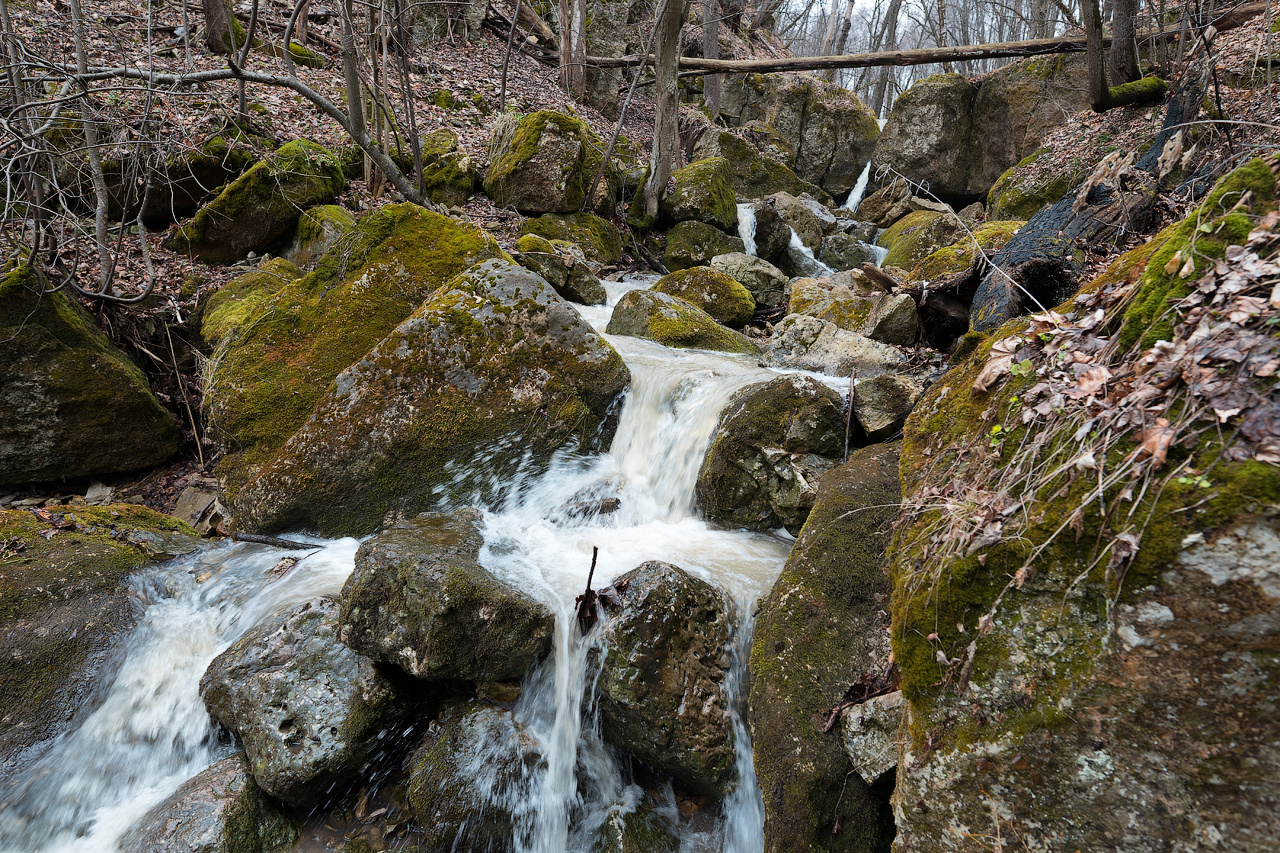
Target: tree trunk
(1099, 93)
(711, 50)
(100, 196)
(1122, 64)
(351, 72)
(666, 131)
(219, 18)
(890, 43)
(573, 46)
(942, 31)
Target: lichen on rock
(673, 322)
(546, 165)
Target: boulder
(842, 252)
(242, 298)
(773, 443)
(893, 320)
(773, 233)
(835, 303)
(754, 174)
(871, 735)
(796, 214)
(545, 164)
(694, 244)
(821, 628)
(881, 404)
(673, 322)
(1033, 184)
(808, 343)
(917, 235)
(563, 266)
(187, 180)
(71, 404)
(926, 137)
(598, 239)
(798, 262)
(449, 176)
(66, 607)
(309, 711)
(663, 660)
(219, 810)
(715, 292)
(962, 258)
(886, 205)
(703, 193)
(419, 599)
(468, 776)
(280, 354)
(634, 830)
(766, 283)
(261, 205)
(318, 230)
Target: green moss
(1146, 90)
(673, 322)
(693, 244)
(534, 243)
(507, 174)
(242, 298)
(598, 239)
(718, 294)
(916, 236)
(960, 256)
(1019, 195)
(703, 192)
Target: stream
(151, 732)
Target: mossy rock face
(495, 366)
(1023, 191)
(188, 179)
(766, 283)
(694, 244)
(598, 239)
(754, 174)
(704, 193)
(261, 205)
(547, 165)
(570, 277)
(926, 136)
(219, 810)
(309, 711)
(65, 608)
(822, 628)
(266, 377)
(916, 236)
(319, 230)
(662, 664)
(449, 176)
(773, 444)
(635, 831)
(70, 404)
(242, 298)
(474, 762)
(418, 599)
(673, 322)
(961, 257)
(826, 300)
(715, 292)
(1095, 691)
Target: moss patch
(598, 239)
(1022, 191)
(703, 192)
(240, 299)
(917, 235)
(673, 322)
(713, 291)
(961, 255)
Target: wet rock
(694, 244)
(545, 164)
(468, 777)
(836, 303)
(715, 292)
(703, 193)
(318, 230)
(65, 608)
(881, 404)
(892, 320)
(820, 629)
(663, 659)
(917, 235)
(673, 322)
(773, 234)
(261, 205)
(754, 174)
(773, 444)
(70, 404)
(842, 252)
(597, 238)
(799, 262)
(808, 343)
(766, 283)
(886, 205)
(419, 599)
(563, 266)
(220, 810)
(634, 830)
(309, 711)
(493, 365)
(796, 214)
(871, 735)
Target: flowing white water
(798, 245)
(151, 732)
(855, 195)
(747, 227)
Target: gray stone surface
(812, 344)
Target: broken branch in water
(586, 603)
(273, 541)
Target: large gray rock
(766, 283)
(773, 233)
(564, 267)
(694, 244)
(220, 810)
(893, 320)
(926, 137)
(754, 174)
(71, 404)
(663, 660)
(419, 599)
(672, 321)
(808, 343)
(881, 404)
(494, 363)
(795, 213)
(771, 447)
(545, 164)
(309, 711)
(703, 192)
(842, 252)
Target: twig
(586, 603)
(273, 541)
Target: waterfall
(747, 227)
(798, 245)
(855, 195)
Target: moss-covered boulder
(715, 292)
(766, 283)
(754, 174)
(663, 662)
(694, 244)
(673, 322)
(628, 829)
(598, 239)
(309, 711)
(843, 252)
(219, 810)
(319, 229)
(494, 366)
(242, 298)
(774, 442)
(187, 179)
(65, 608)
(704, 193)
(963, 257)
(269, 372)
(449, 176)
(808, 343)
(70, 404)
(819, 631)
(468, 776)
(827, 300)
(917, 235)
(261, 205)
(563, 266)
(546, 163)
(419, 599)
(1026, 188)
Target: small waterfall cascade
(747, 227)
(798, 245)
(151, 731)
(859, 189)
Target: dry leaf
(1002, 353)
(1155, 441)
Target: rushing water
(151, 731)
(747, 227)
(855, 195)
(798, 245)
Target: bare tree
(666, 132)
(711, 50)
(1122, 63)
(1099, 93)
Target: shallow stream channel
(151, 732)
